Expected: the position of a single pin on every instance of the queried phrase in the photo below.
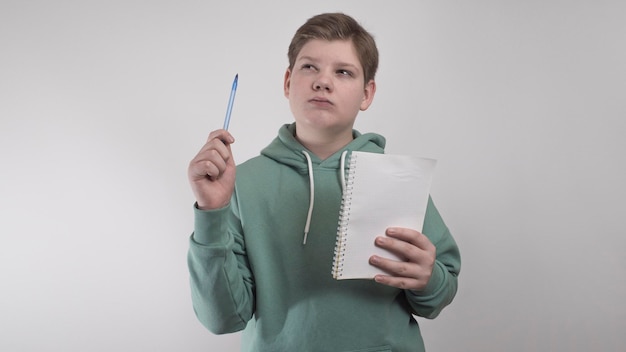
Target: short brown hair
(337, 26)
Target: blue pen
(230, 102)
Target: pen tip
(235, 81)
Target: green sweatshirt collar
(286, 149)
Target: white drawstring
(312, 188)
(312, 198)
(342, 172)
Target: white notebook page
(383, 190)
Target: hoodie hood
(287, 150)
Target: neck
(324, 145)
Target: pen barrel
(229, 109)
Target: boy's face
(326, 87)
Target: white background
(102, 105)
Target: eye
(309, 67)
(344, 72)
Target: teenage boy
(261, 253)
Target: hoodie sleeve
(222, 287)
(442, 287)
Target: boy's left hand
(419, 259)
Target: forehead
(333, 51)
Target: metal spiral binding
(344, 219)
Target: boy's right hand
(212, 172)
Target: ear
(368, 95)
(286, 83)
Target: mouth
(321, 101)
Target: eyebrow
(340, 64)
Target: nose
(322, 82)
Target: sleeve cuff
(211, 226)
(434, 284)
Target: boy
(261, 253)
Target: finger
(395, 267)
(213, 168)
(404, 283)
(407, 251)
(213, 146)
(222, 135)
(208, 163)
(203, 169)
(414, 237)
(403, 275)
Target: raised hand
(212, 172)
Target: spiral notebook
(382, 190)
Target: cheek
(295, 85)
(357, 98)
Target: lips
(321, 101)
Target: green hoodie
(250, 270)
